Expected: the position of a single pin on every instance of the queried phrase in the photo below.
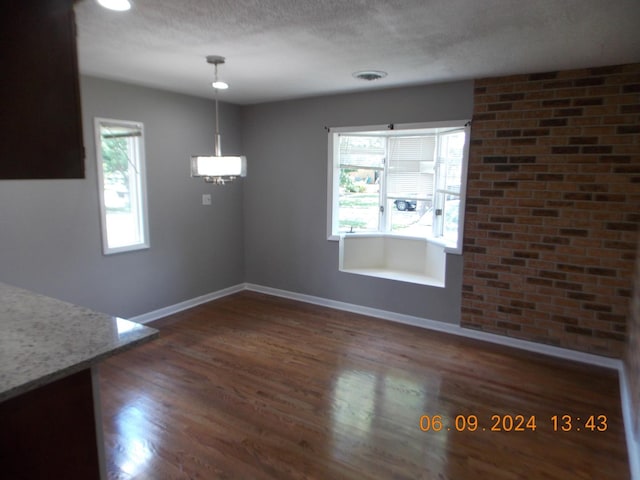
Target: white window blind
(410, 169)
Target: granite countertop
(43, 339)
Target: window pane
(409, 217)
(121, 164)
(362, 151)
(450, 218)
(410, 172)
(359, 200)
(449, 182)
(410, 183)
(450, 160)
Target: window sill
(448, 248)
(440, 242)
(405, 259)
(125, 249)
(397, 275)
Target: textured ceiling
(280, 49)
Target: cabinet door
(40, 118)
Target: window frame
(333, 178)
(141, 204)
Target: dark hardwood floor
(257, 387)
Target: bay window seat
(405, 259)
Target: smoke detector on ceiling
(369, 75)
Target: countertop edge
(65, 372)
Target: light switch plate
(206, 199)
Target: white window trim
(332, 182)
(143, 187)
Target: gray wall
(285, 196)
(50, 229)
(267, 229)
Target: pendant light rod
(218, 169)
(216, 60)
(216, 140)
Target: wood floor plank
(258, 387)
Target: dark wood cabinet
(50, 432)
(40, 116)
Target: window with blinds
(403, 181)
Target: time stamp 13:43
(513, 423)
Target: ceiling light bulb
(117, 5)
(220, 85)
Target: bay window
(401, 180)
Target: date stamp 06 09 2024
(514, 423)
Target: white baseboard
(178, 307)
(451, 328)
(633, 447)
(435, 325)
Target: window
(406, 180)
(121, 185)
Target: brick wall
(553, 207)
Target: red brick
(566, 166)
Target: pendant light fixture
(218, 169)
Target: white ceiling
(280, 49)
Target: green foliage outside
(356, 224)
(345, 180)
(365, 200)
(115, 161)
(355, 208)
(347, 183)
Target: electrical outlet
(206, 199)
